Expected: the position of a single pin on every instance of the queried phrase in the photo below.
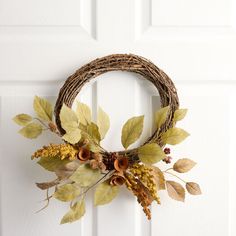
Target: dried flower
(97, 162)
(144, 174)
(117, 179)
(141, 192)
(64, 151)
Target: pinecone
(109, 159)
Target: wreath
(81, 163)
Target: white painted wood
(42, 43)
(191, 13)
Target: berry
(167, 151)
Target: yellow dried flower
(144, 174)
(64, 151)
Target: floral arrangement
(80, 163)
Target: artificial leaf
(52, 163)
(105, 193)
(158, 177)
(32, 130)
(132, 130)
(67, 192)
(179, 114)
(65, 171)
(85, 176)
(43, 108)
(72, 137)
(193, 188)
(184, 165)
(75, 213)
(151, 153)
(47, 185)
(22, 119)
(161, 115)
(68, 119)
(174, 136)
(103, 122)
(93, 132)
(175, 191)
(84, 113)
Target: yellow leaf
(68, 118)
(193, 188)
(161, 115)
(151, 153)
(131, 131)
(179, 114)
(22, 119)
(32, 130)
(105, 193)
(103, 122)
(175, 191)
(66, 192)
(184, 165)
(85, 176)
(158, 177)
(75, 213)
(43, 108)
(52, 163)
(174, 136)
(72, 137)
(84, 113)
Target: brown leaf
(193, 188)
(158, 178)
(175, 191)
(184, 165)
(47, 185)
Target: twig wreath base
(81, 163)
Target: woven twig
(122, 62)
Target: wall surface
(43, 42)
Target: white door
(43, 42)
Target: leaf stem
(175, 176)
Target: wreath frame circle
(121, 62)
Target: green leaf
(68, 118)
(75, 213)
(32, 130)
(85, 176)
(151, 153)
(174, 136)
(93, 132)
(52, 163)
(43, 108)
(67, 192)
(103, 122)
(105, 193)
(132, 130)
(84, 113)
(72, 137)
(179, 114)
(161, 115)
(22, 119)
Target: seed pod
(121, 164)
(84, 154)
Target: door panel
(41, 44)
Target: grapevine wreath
(81, 163)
